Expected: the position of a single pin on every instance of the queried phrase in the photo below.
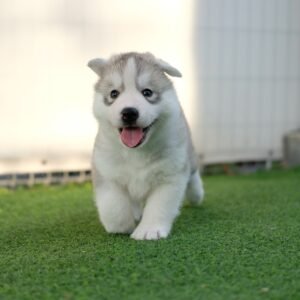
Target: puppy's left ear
(97, 65)
(167, 68)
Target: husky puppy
(143, 159)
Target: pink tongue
(132, 136)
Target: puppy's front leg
(160, 210)
(114, 208)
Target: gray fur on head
(98, 64)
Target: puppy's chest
(139, 176)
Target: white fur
(140, 190)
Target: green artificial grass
(243, 243)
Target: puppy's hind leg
(195, 190)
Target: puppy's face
(130, 95)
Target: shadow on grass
(75, 228)
(79, 228)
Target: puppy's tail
(195, 190)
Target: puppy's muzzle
(129, 115)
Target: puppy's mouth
(133, 136)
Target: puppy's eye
(147, 93)
(114, 94)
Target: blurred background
(239, 58)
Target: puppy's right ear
(97, 65)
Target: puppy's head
(131, 94)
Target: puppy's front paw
(150, 232)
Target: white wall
(248, 71)
(46, 89)
(239, 58)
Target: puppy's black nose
(129, 115)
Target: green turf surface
(243, 243)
